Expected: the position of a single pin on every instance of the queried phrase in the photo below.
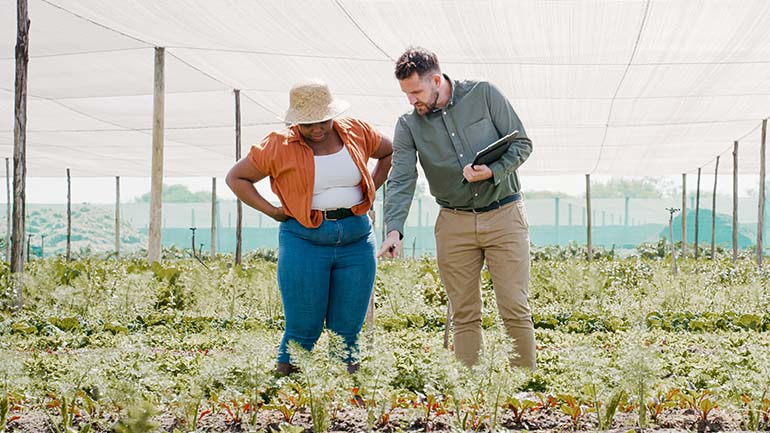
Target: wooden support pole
(213, 216)
(589, 245)
(762, 173)
(20, 146)
(7, 210)
(684, 215)
(735, 201)
(714, 211)
(239, 205)
(69, 216)
(117, 216)
(697, 213)
(156, 185)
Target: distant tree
(646, 187)
(177, 194)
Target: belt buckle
(326, 215)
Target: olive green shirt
(447, 139)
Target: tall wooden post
(714, 211)
(69, 216)
(735, 201)
(7, 211)
(761, 218)
(117, 216)
(697, 213)
(156, 185)
(239, 205)
(589, 245)
(213, 216)
(20, 145)
(684, 215)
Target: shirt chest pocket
(480, 133)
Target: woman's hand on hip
(278, 214)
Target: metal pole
(697, 214)
(714, 211)
(192, 241)
(213, 216)
(556, 219)
(117, 216)
(239, 206)
(447, 324)
(735, 201)
(7, 211)
(384, 195)
(672, 211)
(589, 246)
(684, 215)
(69, 216)
(761, 218)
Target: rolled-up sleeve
(506, 120)
(402, 178)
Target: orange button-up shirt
(288, 160)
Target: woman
(326, 252)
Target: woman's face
(316, 132)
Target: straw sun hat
(312, 102)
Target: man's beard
(428, 107)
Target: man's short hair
(416, 59)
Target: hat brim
(334, 109)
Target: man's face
(422, 93)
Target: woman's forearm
(248, 194)
(381, 170)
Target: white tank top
(337, 181)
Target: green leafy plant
(138, 419)
(573, 407)
(656, 404)
(756, 413)
(323, 373)
(701, 402)
(519, 408)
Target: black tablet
(494, 151)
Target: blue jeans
(325, 274)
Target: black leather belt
(492, 206)
(337, 214)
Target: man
(481, 219)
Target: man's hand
(476, 173)
(391, 245)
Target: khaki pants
(463, 241)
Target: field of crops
(117, 345)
